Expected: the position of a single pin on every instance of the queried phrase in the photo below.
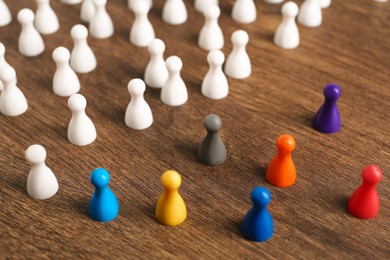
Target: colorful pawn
(258, 225)
(364, 202)
(171, 209)
(281, 171)
(104, 205)
(327, 120)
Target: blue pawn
(104, 205)
(257, 224)
(327, 119)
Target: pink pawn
(364, 202)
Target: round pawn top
(79, 31)
(212, 12)
(215, 57)
(156, 47)
(61, 54)
(174, 64)
(136, 87)
(260, 196)
(212, 123)
(171, 180)
(290, 9)
(77, 102)
(240, 37)
(36, 154)
(140, 7)
(371, 174)
(100, 177)
(100, 2)
(332, 91)
(285, 143)
(7, 73)
(26, 16)
(2, 49)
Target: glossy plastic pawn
(202, 5)
(244, 11)
(238, 64)
(258, 225)
(327, 119)
(156, 73)
(174, 92)
(215, 84)
(130, 3)
(82, 58)
(310, 13)
(174, 12)
(211, 36)
(65, 80)
(287, 34)
(87, 10)
(141, 32)
(103, 205)
(46, 20)
(101, 25)
(30, 42)
(212, 150)
(5, 14)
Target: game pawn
(104, 205)
(5, 14)
(281, 171)
(258, 225)
(364, 202)
(212, 150)
(327, 120)
(171, 209)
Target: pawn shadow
(190, 151)
(81, 206)
(17, 185)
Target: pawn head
(212, 123)
(260, 196)
(171, 180)
(332, 91)
(2, 49)
(215, 57)
(240, 38)
(26, 16)
(285, 143)
(61, 54)
(136, 87)
(7, 73)
(212, 12)
(77, 102)
(99, 2)
(156, 47)
(79, 32)
(174, 64)
(371, 174)
(290, 9)
(140, 7)
(35, 154)
(100, 177)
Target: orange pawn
(281, 171)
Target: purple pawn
(327, 119)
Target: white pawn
(326, 3)
(82, 59)
(30, 41)
(310, 13)
(244, 11)
(65, 81)
(12, 100)
(131, 2)
(87, 10)
(5, 14)
(156, 73)
(71, 2)
(238, 64)
(202, 5)
(101, 25)
(138, 114)
(274, 1)
(41, 181)
(174, 91)
(287, 34)
(3, 62)
(81, 130)
(215, 84)
(174, 12)
(211, 36)
(46, 20)
(141, 32)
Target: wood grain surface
(351, 48)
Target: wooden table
(351, 48)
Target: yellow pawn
(171, 209)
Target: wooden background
(351, 48)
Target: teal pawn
(104, 205)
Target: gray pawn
(212, 150)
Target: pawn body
(30, 42)
(211, 36)
(131, 2)
(5, 14)
(258, 224)
(238, 64)
(244, 11)
(3, 62)
(326, 3)
(103, 205)
(215, 84)
(65, 80)
(364, 202)
(171, 209)
(174, 12)
(71, 2)
(138, 113)
(287, 34)
(327, 119)
(202, 5)
(274, 1)
(46, 21)
(212, 150)
(101, 25)
(174, 91)
(156, 73)
(281, 171)
(81, 130)
(141, 32)
(82, 58)
(310, 13)
(41, 182)
(87, 10)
